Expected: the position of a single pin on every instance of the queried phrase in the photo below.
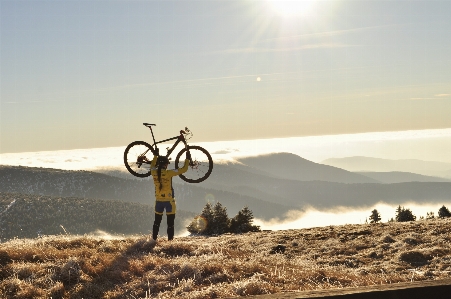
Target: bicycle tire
(200, 167)
(137, 158)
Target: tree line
(405, 215)
(214, 220)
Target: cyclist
(164, 192)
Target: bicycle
(137, 157)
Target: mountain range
(270, 185)
(370, 164)
(87, 184)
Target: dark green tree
(443, 212)
(404, 215)
(221, 222)
(242, 222)
(375, 217)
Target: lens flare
(210, 198)
(200, 223)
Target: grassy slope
(228, 265)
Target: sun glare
(292, 8)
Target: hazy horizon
(428, 145)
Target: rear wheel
(137, 158)
(200, 167)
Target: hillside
(235, 187)
(359, 164)
(322, 194)
(88, 184)
(393, 177)
(227, 265)
(29, 216)
(292, 167)
(71, 183)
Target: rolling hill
(30, 216)
(292, 167)
(87, 184)
(368, 164)
(394, 177)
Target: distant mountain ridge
(394, 177)
(292, 167)
(261, 186)
(369, 164)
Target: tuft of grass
(225, 266)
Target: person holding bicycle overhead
(164, 192)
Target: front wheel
(137, 158)
(200, 166)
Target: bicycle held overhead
(138, 156)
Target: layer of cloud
(433, 145)
(340, 216)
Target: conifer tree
(202, 223)
(443, 212)
(375, 217)
(404, 215)
(242, 222)
(214, 220)
(221, 222)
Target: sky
(87, 74)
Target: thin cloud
(328, 33)
(443, 95)
(291, 49)
(31, 101)
(421, 99)
(223, 152)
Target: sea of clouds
(427, 145)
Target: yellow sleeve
(180, 170)
(184, 168)
(154, 162)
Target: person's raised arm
(154, 162)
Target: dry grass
(228, 265)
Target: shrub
(242, 222)
(443, 212)
(404, 215)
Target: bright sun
(289, 8)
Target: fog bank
(340, 216)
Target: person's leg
(156, 225)
(159, 209)
(170, 213)
(170, 218)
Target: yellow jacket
(167, 192)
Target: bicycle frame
(154, 148)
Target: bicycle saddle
(148, 125)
